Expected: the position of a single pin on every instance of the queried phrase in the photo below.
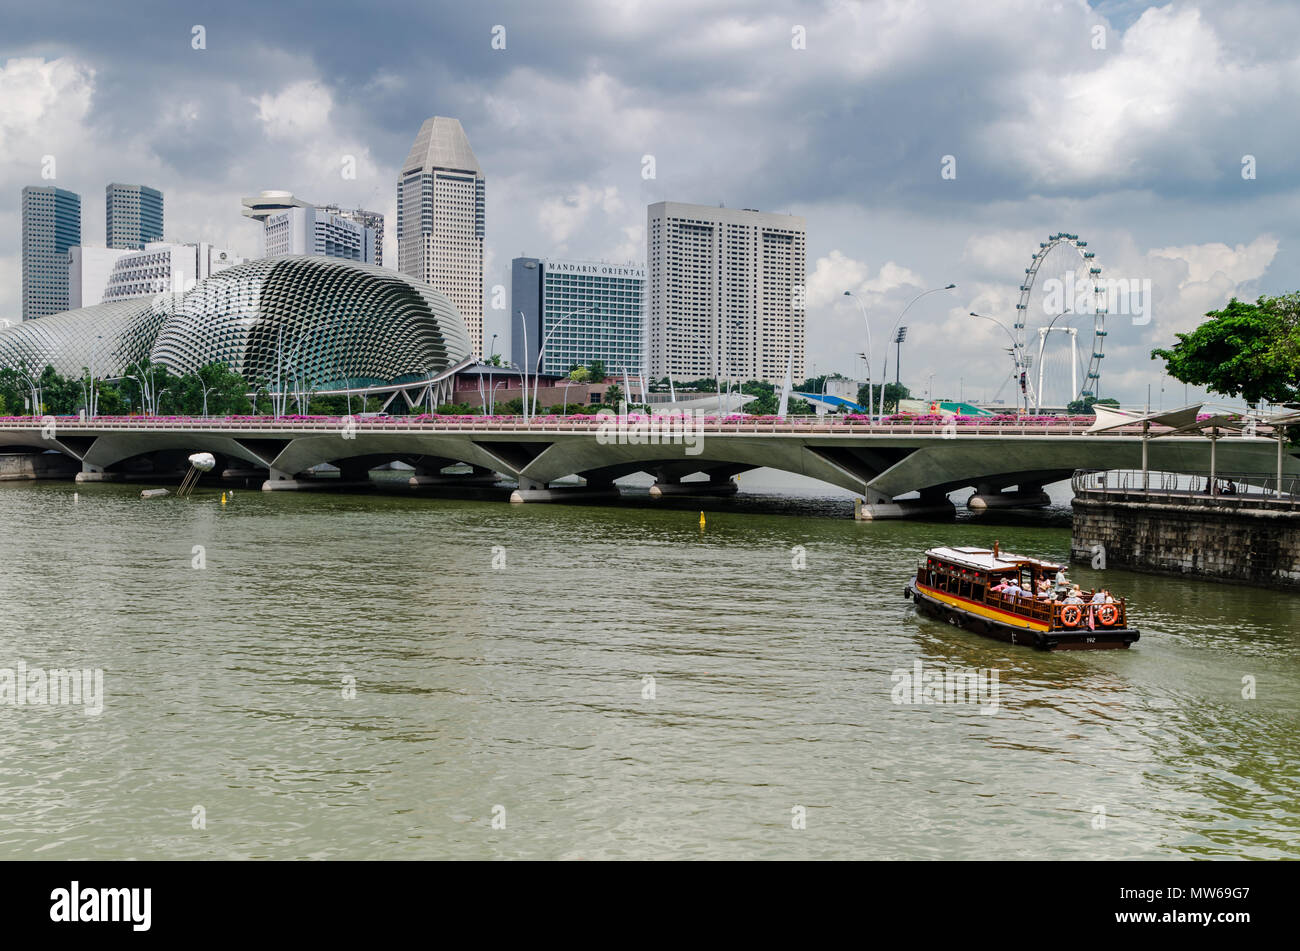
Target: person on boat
(1044, 588)
(1062, 584)
(1098, 596)
(1075, 596)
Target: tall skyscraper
(726, 295)
(553, 295)
(440, 218)
(51, 225)
(293, 226)
(133, 216)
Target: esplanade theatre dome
(333, 324)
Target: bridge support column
(927, 506)
(96, 474)
(430, 475)
(986, 497)
(713, 487)
(530, 490)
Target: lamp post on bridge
(866, 356)
(541, 352)
(1015, 354)
(884, 370)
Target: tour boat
(956, 585)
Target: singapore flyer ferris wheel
(1059, 361)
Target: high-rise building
(163, 267)
(51, 225)
(585, 310)
(133, 216)
(293, 226)
(440, 219)
(726, 292)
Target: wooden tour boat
(956, 585)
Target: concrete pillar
(90, 473)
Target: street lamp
(884, 371)
(1015, 350)
(863, 307)
(537, 367)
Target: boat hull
(1103, 638)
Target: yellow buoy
(701, 520)
(223, 498)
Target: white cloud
(300, 109)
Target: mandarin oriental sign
(596, 269)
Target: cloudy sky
(925, 141)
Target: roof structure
(984, 559)
(441, 143)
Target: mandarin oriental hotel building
(544, 292)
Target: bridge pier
(428, 475)
(932, 506)
(986, 497)
(713, 487)
(531, 490)
(96, 474)
(287, 482)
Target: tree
(1081, 407)
(894, 393)
(613, 395)
(1247, 350)
(579, 374)
(596, 371)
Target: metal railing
(1227, 490)
(945, 429)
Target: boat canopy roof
(983, 559)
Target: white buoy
(153, 493)
(203, 461)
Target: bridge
(898, 469)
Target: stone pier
(1256, 545)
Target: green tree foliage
(894, 393)
(1081, 407)
(613, 395)
(596, 371)
(1247, 350)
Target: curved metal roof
(327, 322)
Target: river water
(349, 676)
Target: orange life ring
(1071, 615)
(1108, 614)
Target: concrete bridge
(1005, 463)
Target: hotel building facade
(545, 292)
(726, 293)
(441, 211)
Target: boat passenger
(1062, 584)
(1098, 597)
(1074, 597)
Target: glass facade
(133, 216)
(552, 295)
(51, 225)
